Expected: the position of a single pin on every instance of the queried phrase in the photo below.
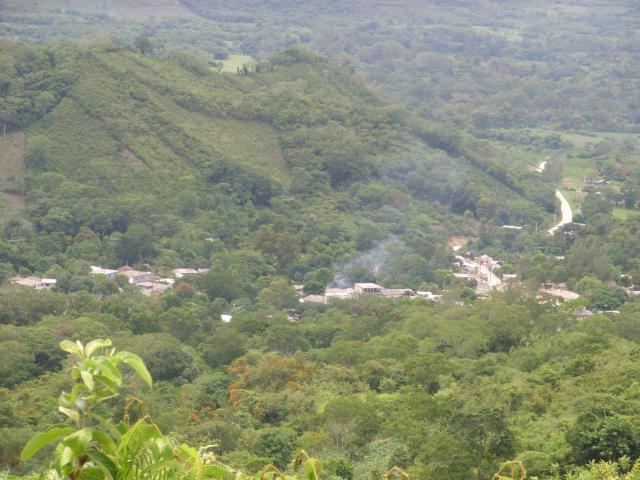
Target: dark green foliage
(276, 445)
(340, 467)
(223, 346)
(604, 438)
(349, 422)
(164, 356)
(486, 436)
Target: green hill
(184, 154)
(292, 173)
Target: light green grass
(11, 175)
(251, 143)
(575, 170)
(623, 213)
(580, 139)
(234, 62)
(11, 161)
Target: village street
(481, 270)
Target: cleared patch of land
(252, 143)
(12, 162)
(580, 139)
(234, 62)
(11, 174)
(623, 213)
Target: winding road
(565, 209)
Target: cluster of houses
(148, 283)
(481, 269)
(34, 282)
(359, 289)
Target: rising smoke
(373, 260)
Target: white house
(340, 293)
(111, 274)
(396, 292)
(181, 272)
(367, 288)
(313, 299)
(35, 282)
(152, 288)
(135, 277)
(428, 295)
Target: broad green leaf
(65, 400)
(72, 414)
(94, 345)
(87, 378)
(106, 383)
(42, 439)
(74, 348)
(78, 388)
(108, 369)
(113, 431)
(79, 441)
(66, 457)
(136, 363)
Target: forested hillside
(441, 391)
(215, 186)
(483, 64)
(134, 159)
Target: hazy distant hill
(483, 64)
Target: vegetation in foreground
(441, 391)
(91, 446)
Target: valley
(275, 239)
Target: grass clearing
(234, 62)
(623, 213)
(12, 162)
(11, 175)
(251, 143)
(573, 182)
(580, 139)
(575, 169)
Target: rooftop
(367, 285)
(102, 271)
